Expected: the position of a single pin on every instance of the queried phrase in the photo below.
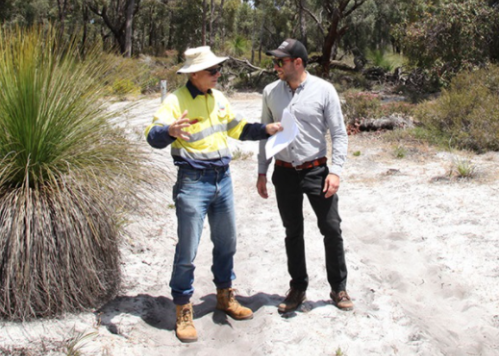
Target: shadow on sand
(159, 312)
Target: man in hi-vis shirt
(196, 121)
(302, 169)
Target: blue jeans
(198, 193)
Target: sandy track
(422, 254)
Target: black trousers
(290, 186)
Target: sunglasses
(281, 61)
(213, 71)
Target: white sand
(422, 256)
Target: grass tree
(66, 175)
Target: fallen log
(390, 122)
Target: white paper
(279, 141)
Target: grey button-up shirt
(316, 106)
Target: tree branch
(314, 18)
(246, 63)
(354, 7)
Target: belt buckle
(298, 169)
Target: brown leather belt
(305, 165)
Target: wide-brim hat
(200, 58)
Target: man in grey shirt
(301, 168)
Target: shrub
(400, 151)
(346, 82)
(463, 168)
(396, 107)
(162, 68)
(466, 114)
(360, 105)
(66, 174)
(124, 87)
(174, 80)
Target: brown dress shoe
(342, 300)
(228, 304)
(184, 327)
(293, 299)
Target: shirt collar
(194, 91)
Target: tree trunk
(211, 28)
(152, 32)
(303, 24)
(330, 39)
(122, 29)
(204, 23)
(337, 12)
(128, 27)
(171, 31)
(223, 28)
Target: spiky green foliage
(66, 173)
(237, 46)
(386, 60)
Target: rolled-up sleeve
(338, 133)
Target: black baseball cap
(290, 48)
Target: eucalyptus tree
(118, 16)
(448, 36)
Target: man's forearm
(263, 162)
(253, 132)
(339, 149)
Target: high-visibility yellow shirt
(212, 122)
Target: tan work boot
(184, 327)
(228, 303)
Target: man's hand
(262, 186)
(273, 128)
(176, 129)
(332, 183)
